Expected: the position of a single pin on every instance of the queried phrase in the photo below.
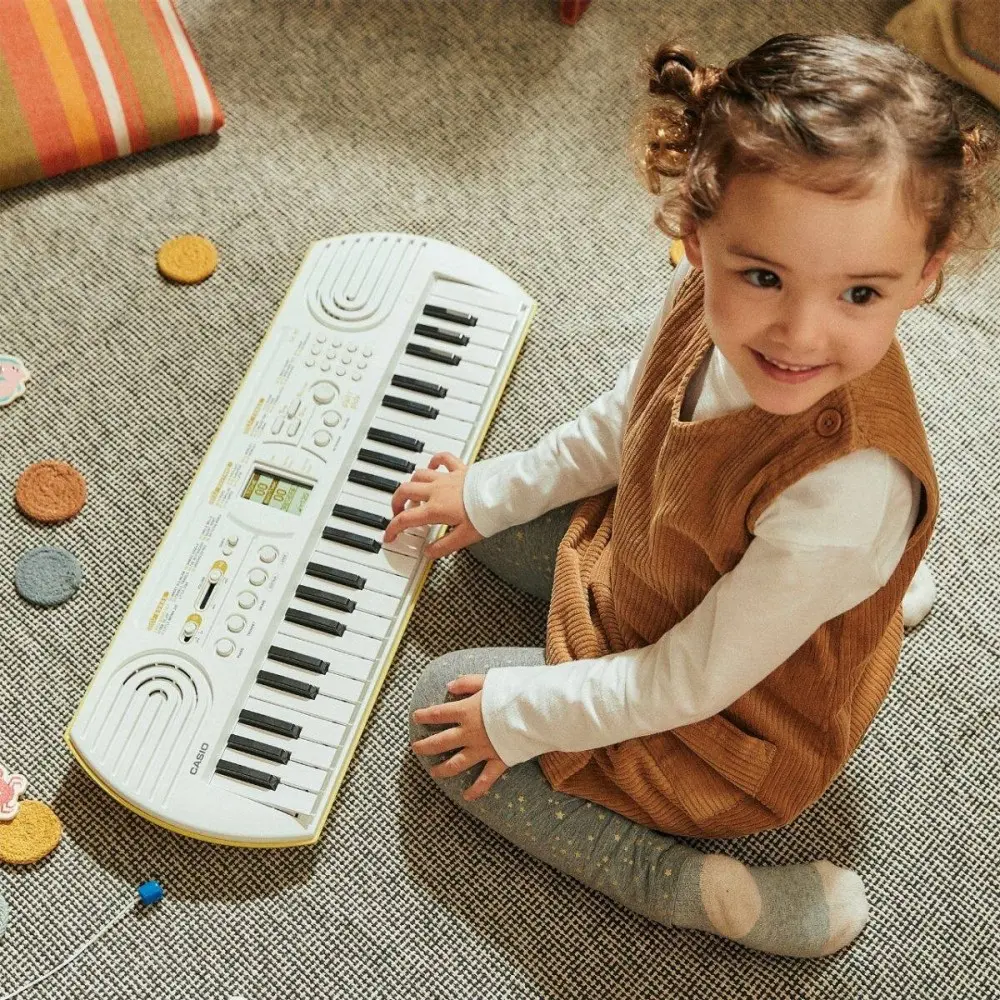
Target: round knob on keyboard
(236, 623)
(323, 392)
(268, 554)
(225, 647)
(331, 419)
(190, 628)
(246, 600)
(215, 576)
(321, 439)
(232, 540)
(257, 577)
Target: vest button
(829, 422)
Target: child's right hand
(436, 499)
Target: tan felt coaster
(51, 491)
(30, 835)
(188, 259)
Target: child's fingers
(466, 684)
(454, 540)
(447, 459)
(455, 764)
(410, 490)
(447, 739)
(482, 784)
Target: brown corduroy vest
(639, 558)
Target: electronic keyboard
(233, 694)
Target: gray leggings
(636, 866)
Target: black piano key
(399, 440)
(386, 461)
(419, 351)
(247, 774)
(409, 406)
(324, 597)
(269, 724)
(373, 482)
(419, 385)
(289, 684)
(362, 542)
(322, 572)
(330, 625)
(359, 516)
(436, 333)
(293, 659)
(263, 750)
(439, 312)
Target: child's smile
(808, 280)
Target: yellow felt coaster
(30, 835)
(50, 491)
(676, 252)
(188, 259)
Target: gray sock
(804, 910)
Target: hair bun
(672, 73)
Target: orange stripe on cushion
(15, 138)
(67, 83)
(124, 81)
(152, 81)
(217, 119)
(36, 91)
(187, 108)
(88, 80)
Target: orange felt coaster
(187, 259)
(51, 491)
(30, 835)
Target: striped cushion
(83, 81)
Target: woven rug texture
(491, 126)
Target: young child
(727, 603)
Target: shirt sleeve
(848, 524)
(579, 458)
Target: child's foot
(801, 910)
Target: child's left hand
(468, 736)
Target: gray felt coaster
(47, 576)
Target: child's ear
(692, 248)
(928, 276)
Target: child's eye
(766, 277)
(863, 301)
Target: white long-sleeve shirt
(848, 521)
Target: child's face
(805, 278)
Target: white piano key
(309, 779)
(332, 684)
(383, 560)
(369, 601)
(329, 734)
(381, 503)
(474, 300)
(352, 643)
(384, 583)
(343, 662)
(303, 751)
(481, 336)
(465, 370)
(471, 354)
(320, 707)
(418, 427)
(457, 389)
(354, 621)
(448, 406)
(406, 544)
(433, 442)
(284, 797)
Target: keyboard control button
(323, 392)
(268, 554)
(331, 419)
(321, 439)
(236, 623)
(258, 577)
(246, 600)
(225, 647)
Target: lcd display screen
(272, 490)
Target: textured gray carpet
(491, 126)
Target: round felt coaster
(4, 914)
(47, 576)
(187, 259)
(30, 835)
(51, 491)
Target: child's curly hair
(830, 112)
